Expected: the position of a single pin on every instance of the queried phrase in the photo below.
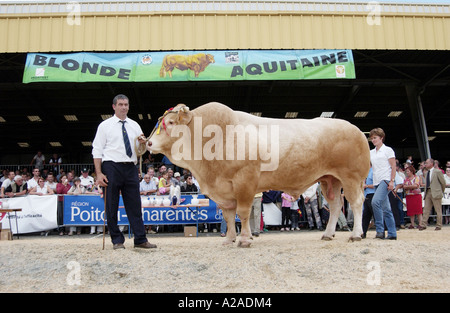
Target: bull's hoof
(244, 244)
(327, 238)
(352, 239)
(228, 242)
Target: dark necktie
(126, 141)
(428, 179)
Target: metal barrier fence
(76, 168)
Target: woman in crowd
(411, 186)
(76, 189)
(41, 189)
(61, 189)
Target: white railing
(84, 6)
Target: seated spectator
(17, 187)
(87, 181)
(190, 186)
(147, 186)
(33, 182)
(41, 189)
(164, 183)
(8, 181)
(51, 181)
(77, 188)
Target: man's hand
(102, 180)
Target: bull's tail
(162, 71)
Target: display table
(9, 218)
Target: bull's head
(160, 140)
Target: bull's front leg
(229, 216)
(243, 212)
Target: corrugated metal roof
(196, 25)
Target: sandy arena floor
(276, 262)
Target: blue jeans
(382, 212)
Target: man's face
(19, 181)
(121, 108)
(428, 164)
(36, 172)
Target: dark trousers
(123, 178)
(367, 212)
(285, 215)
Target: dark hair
(119, 97)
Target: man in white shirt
(147, 186)
(87, 181)
(115, 165)
(33, 182)
(6, 183)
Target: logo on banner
(340, 70)
(146, 59)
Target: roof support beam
(418, 119)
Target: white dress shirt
(380, 163)
(108, 143)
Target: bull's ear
(184, 115)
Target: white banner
(272, 214)
(38, 214)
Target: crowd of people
(309, 211)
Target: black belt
(124, 163)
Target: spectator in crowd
(295, 214)
(312, 207)
(255, 215)
(413, 196)
(86, 180)
(17, 188)
(96, 190)
(164, 183)
(41, 189)
(173, 181)
(8, 181)
(39, 160)
(61, 189)
(33, 182)
(446, 208)
(76, 189)
(55, 162)
(382, 158)
(396, 201)
(151, 173)
(286, 203)
(177, 177)
(369, 191)
(51, 182)
(162, 169)
(434, 192)
(70, 177)
(447, 177)
(190, 186)
(436, 165)
(147, 186)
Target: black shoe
(363, 236)
(379, 236)
(391, 238)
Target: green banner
(189, 66)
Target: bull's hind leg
(229, 216)
(355, 195)
(335, 205)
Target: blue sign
(88, 210)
